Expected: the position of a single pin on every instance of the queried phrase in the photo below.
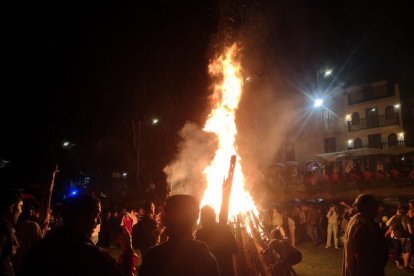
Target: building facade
(360, 116)
(373, 115)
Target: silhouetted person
(219, 239)
(68, 249)
(181, 254)
(105, 233)
(11, 205)
(365, 252)
(28, 233)
(286, 255)
(144, 233)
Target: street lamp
(327, 72)
(155, 121)
(318, 103)
(65, 144)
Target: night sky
(84, 72)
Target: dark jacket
(144, 234)
(8, 246)
(67, 252)
(365, 251)
(179, 258)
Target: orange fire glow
(221, 121)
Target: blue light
(73, 193)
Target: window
(330, 121)
(389, 113)
(355, 118)
(392, 140)
(374, 141)
(330, 144)
(358, 143)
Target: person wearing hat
(181, 254)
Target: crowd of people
(358, 170)
(328, 224)
(163, 240)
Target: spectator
(312, 219)
(277, 221)
(219, 239)
(145, 232)
(11, 205)
(291, 226)
(114, 225)
(368, 175)
(68, 250)
(287, 255)
(127, 222)
(134, 216)
(365, 251)
(401, 227)
(128, 260)
(396, 244)
(379, 175)
(105, 233)
(332, 227)
(28, 232)
(181, 254)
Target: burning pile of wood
(250, 235)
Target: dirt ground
(317, 261)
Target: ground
(326, 262)
(318, 261)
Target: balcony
(383, 145)
(373, 122)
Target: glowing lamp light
(124, 174)
(155, 121)
(65, 144)
(318, 103)
(401, 136)
(348, 117)
(396, 106)
(327, 73)
(373, 110)
(350, 142)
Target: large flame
(221, 121)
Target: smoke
(266, 113)
(195, 152)
(265, 117)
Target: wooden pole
(45, 207)
(225, 199)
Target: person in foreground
(365, 251)
(181, 254)
(219, 238)
(11, 204)
(68, 250)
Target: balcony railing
(373, 122)
(383, 145)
